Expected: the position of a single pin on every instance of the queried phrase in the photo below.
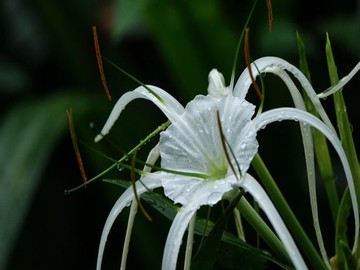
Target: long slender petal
(254, 188)
(189, 243)
(132, 214)
(331, 90)
(151, 159)
(147, 182)
(309, 157)
(280, 114)
(267, 64)
(166, 103)
(174, 238)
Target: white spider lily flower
(192, 144)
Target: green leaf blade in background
(28, 134)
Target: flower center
(218, 171)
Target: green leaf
(156, 200)
(342, 119)
(341, 241)
(28, 135)
(348, 145)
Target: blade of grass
(343, 123)
(346, 140)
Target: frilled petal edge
(196, 191)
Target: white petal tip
(98, 138)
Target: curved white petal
(132, 214)
(273, 64)
(174, 238)
(278, 66)
(193, 142)
(331, 90)
(309, 157)
(151, 159)
(192, 193)
(254, 188)
(189, 243)
(147, 182)
(298, 115)
(166, 103)
(154, 154)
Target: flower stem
(270, 238)
(288, 216)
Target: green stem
(260, 226)
(286, 213)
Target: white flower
(192, 144)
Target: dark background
(48, 64)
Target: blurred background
(48, 64)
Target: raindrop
(120, 167)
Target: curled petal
(166, 103)
(273, 65)
(147, 182)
